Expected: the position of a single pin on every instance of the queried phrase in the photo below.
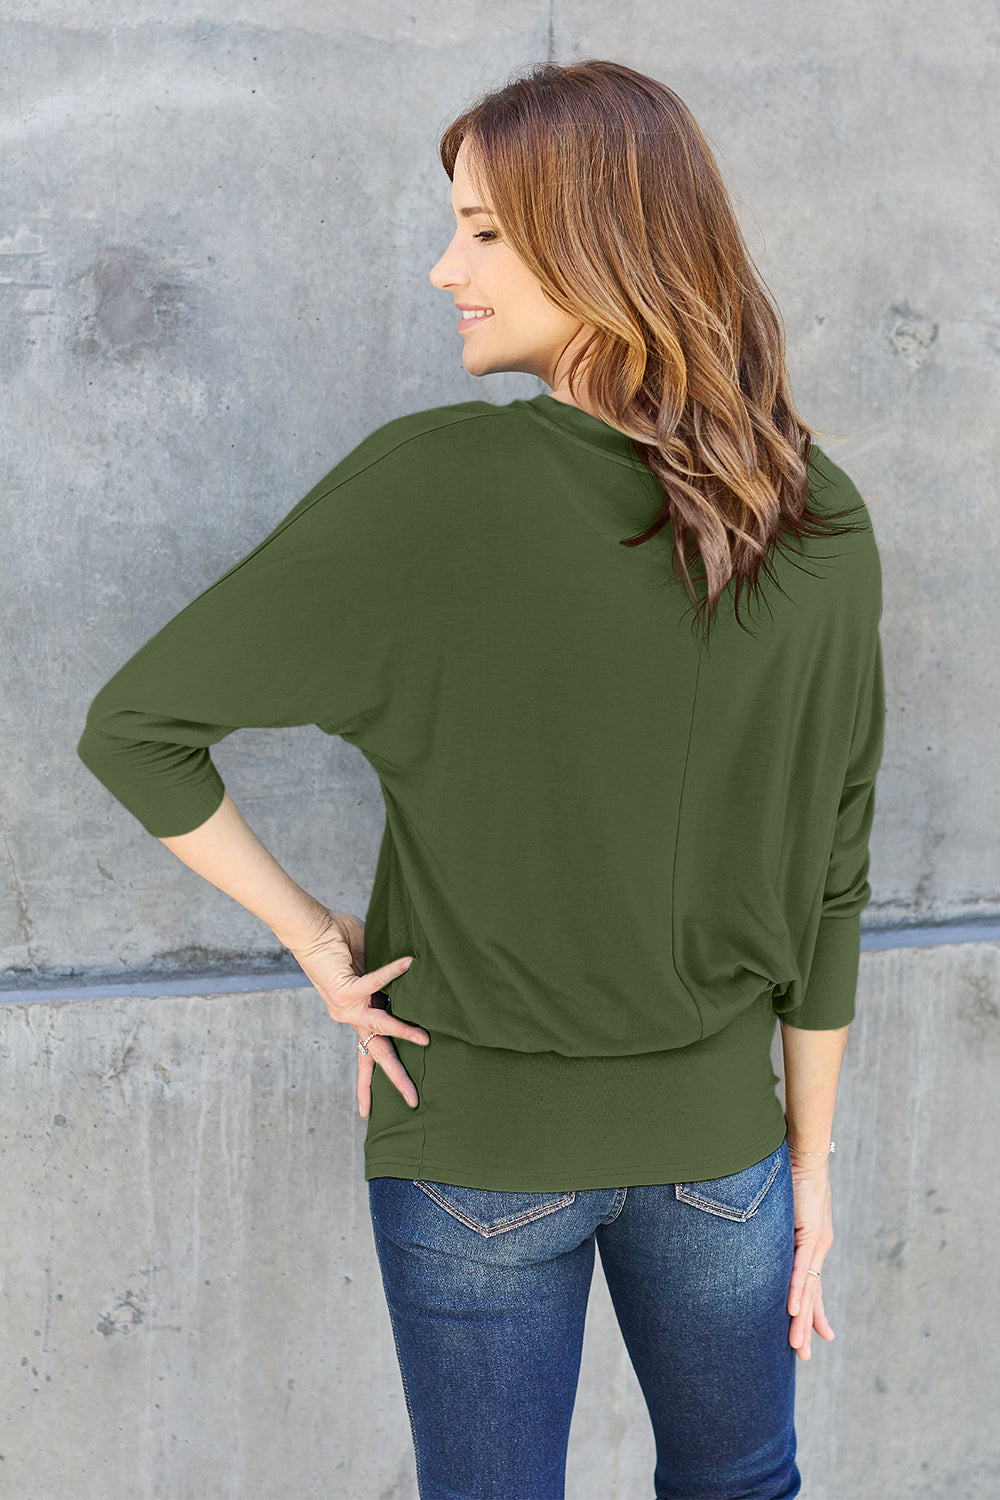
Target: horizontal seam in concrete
(187, 984)
(235, 983)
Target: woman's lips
(470, 322)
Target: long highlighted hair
(607, 190)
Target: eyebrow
(476, 208)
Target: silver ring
(363, 1046)
(808, 1272)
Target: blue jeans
(487, 1293)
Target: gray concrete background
(192, 1304)
(217, 225)
(220, 219)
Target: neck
(561, 392)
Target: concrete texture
(220, 218)
(217, 223)
(192, 1310)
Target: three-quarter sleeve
(295, 633)
(830, 990)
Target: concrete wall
(218, 220)
(192, 1304)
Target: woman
(625, 827)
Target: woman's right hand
(334, 960)
(813, 1238)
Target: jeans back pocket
(737, 1196)
(489, 1212)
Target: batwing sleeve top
(607, 842)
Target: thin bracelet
(833, 1147)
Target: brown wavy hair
(608, 191)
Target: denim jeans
(487, 1294)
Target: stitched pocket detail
(489, 1213)
(737, 1196)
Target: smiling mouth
(470, 319)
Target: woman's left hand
(813, 1238)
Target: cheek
(545, 310)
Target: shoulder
(831, 488)
(849, 555)
(434, 429)
(408, 447)
(373, 485)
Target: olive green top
(615, 852)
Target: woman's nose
(446, 272)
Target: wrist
(306, 926)
(812, 1151)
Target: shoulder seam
(412, 438)
(290, 519)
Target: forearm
(812, 1062)
(227, 853)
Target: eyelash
(479, 236)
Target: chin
(477, 364)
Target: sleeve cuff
(168, 797)
(833, 977)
